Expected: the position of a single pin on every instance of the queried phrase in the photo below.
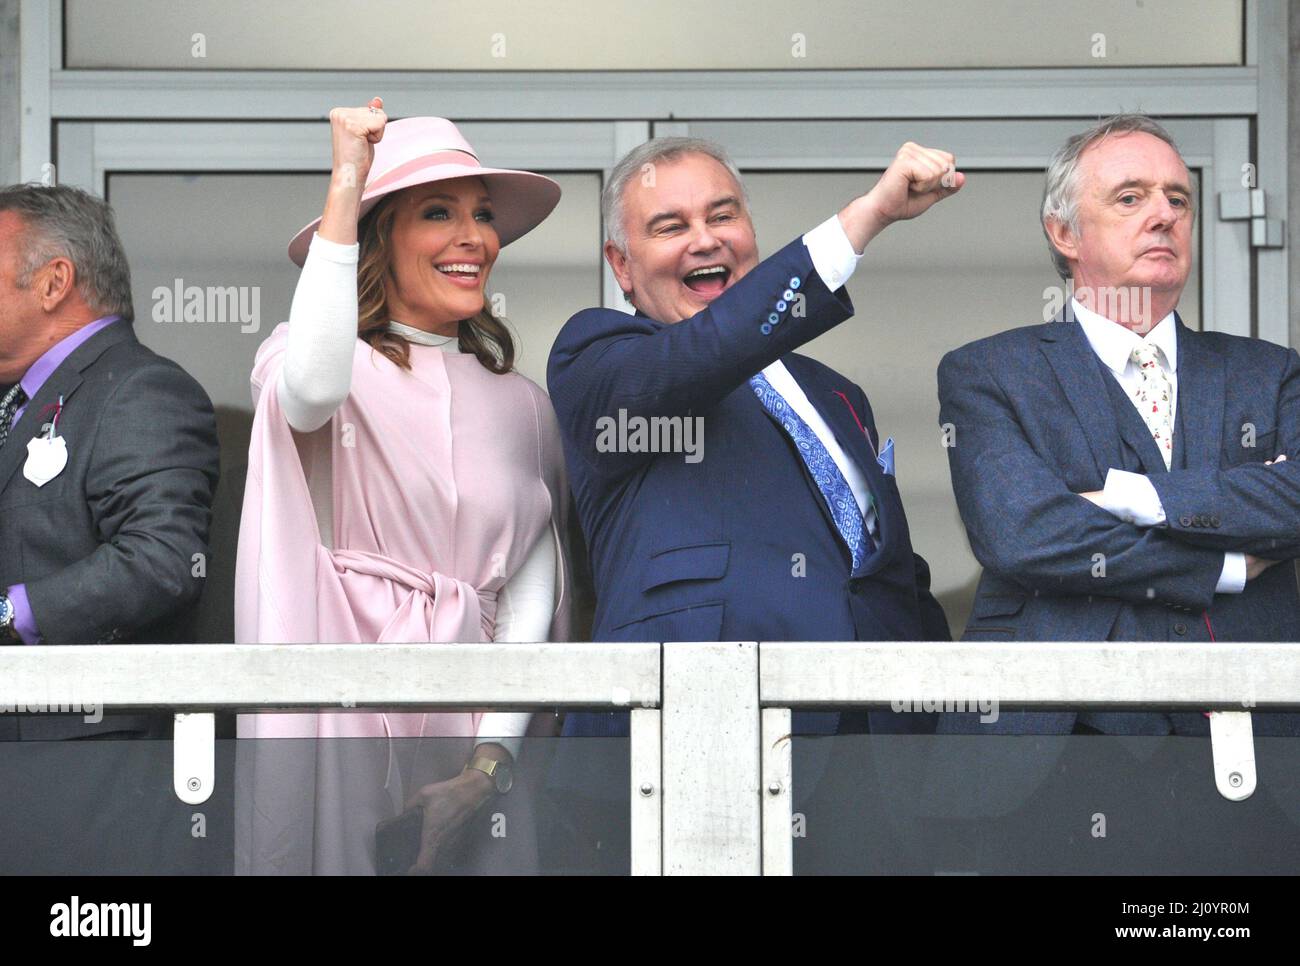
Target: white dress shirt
(1131, 496)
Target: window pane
(1088, 804)
(304, 806)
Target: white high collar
(421, 337)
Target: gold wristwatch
(500, 772)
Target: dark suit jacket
(1036, 422)
(107, 549)
(740, 545)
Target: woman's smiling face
(443, 247)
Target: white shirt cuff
(504, 728)
(831, 252)
(333, 251)
(1132, 498)
(1233, 578)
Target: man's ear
(1063, 238)
(618, 262)
(54, 282)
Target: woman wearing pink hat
(404, 485)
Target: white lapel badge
(46, 455)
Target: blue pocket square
(886, 457)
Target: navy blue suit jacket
(1035, 423)
(739, 545)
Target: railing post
(778, 842)
(647, 792)
(711, 807)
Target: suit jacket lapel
(1075, 365)
(63, 381)
(1201, 398)
(849, 433)
(1139, 439)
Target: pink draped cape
(440, 479)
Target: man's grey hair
(640, 162)
(1061, 192)
(60, 220)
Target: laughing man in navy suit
(730, 489)
(781, 520)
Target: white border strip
(199, 677)
(1026, 674)
(661, 95)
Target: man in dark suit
(729, 488)
(725, 533)
(108, 462)
(1122, 477)
(1142, 463)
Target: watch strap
(8, 617)
(494, 769)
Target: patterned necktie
(1153, 398)
(821, 466)
(9, 404)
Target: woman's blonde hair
(484, 334)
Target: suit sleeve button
(1180, 628)
(773, 318)
(1214, 522)
(781, 305)
(788, 294)
(795, 281)
(1185, 521)
(765, 329)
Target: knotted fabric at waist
(436, 608)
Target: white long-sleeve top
(314, 381)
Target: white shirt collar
(421, 337)
(1114, 344)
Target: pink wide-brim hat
(417, 150)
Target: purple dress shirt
(32, 380)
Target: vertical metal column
(35, 42)
(711, 807)
(647, 792)
(778, 772)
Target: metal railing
(710, 723)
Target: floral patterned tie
(1153, 398)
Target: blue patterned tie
(821, 466)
